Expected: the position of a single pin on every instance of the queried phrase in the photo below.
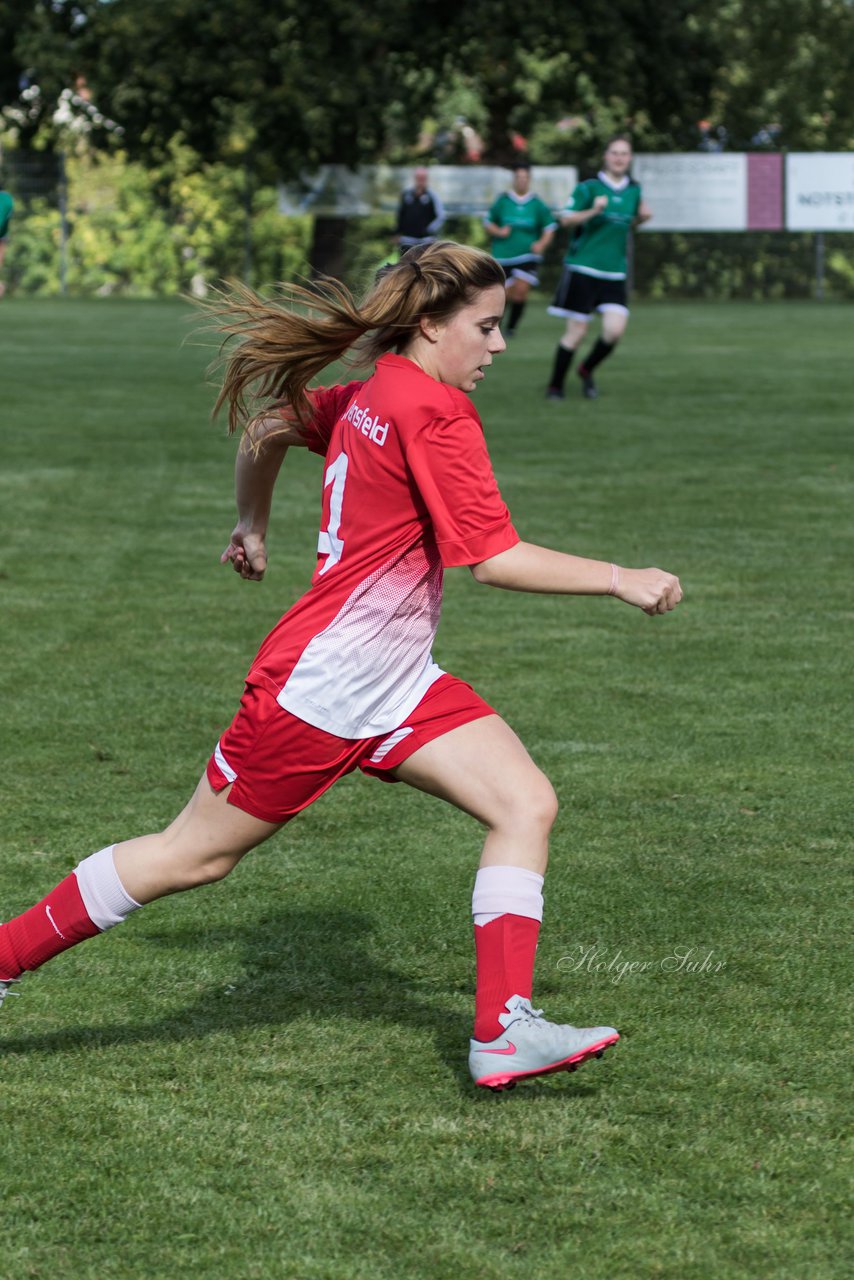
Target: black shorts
(523, 269)
(579, 295)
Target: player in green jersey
(7, 205)
(522, 227)
(601, 212)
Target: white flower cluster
(75, 113)
(72, 112)
(30, 110)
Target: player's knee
(534, 805)
(545, 804)
(217, 868)
(193, 873)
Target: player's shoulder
(399, 381)
(431, 400)
(453, 421)
(586, 189)
(454, 403)
(428, 402)
(328, 404)
(333, 400)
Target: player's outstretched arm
(576, 217)
(259, 459)
(527, 567)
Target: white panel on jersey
(371, 666)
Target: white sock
(104, 896)
(502, 891)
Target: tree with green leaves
(295, 84)
(785, 79)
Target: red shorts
(280, 765)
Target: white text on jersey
(369, 426)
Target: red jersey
(408, 488)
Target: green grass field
(267, 1078)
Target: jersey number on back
(328, 542)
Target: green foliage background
(146, 232)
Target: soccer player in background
(7, 206)
(346, 679)
(522, 227)
(420, 214)
(601, 212)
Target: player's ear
(429, 328)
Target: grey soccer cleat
(531, 1046)
(5, 984)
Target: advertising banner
(820, 191)
(694, 191)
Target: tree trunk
(328, 254)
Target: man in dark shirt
(420, 214)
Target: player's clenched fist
(653, 590)
(248, 555)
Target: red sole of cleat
(502, 1080)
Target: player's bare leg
(203, 844)
(483, 768)
(614, 325)
(614, 321)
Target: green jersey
(7, 204)
(527, 217)
(598, 247)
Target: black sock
(516, 309)
(599, 353)
(563, 359)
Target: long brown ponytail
(283, 343)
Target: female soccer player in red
(347, 679)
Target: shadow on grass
(290, 965)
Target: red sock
(505, 950)
(56, 923)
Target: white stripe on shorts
(518, 273)
(569, 315)
(223, 765)
(391, 741)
